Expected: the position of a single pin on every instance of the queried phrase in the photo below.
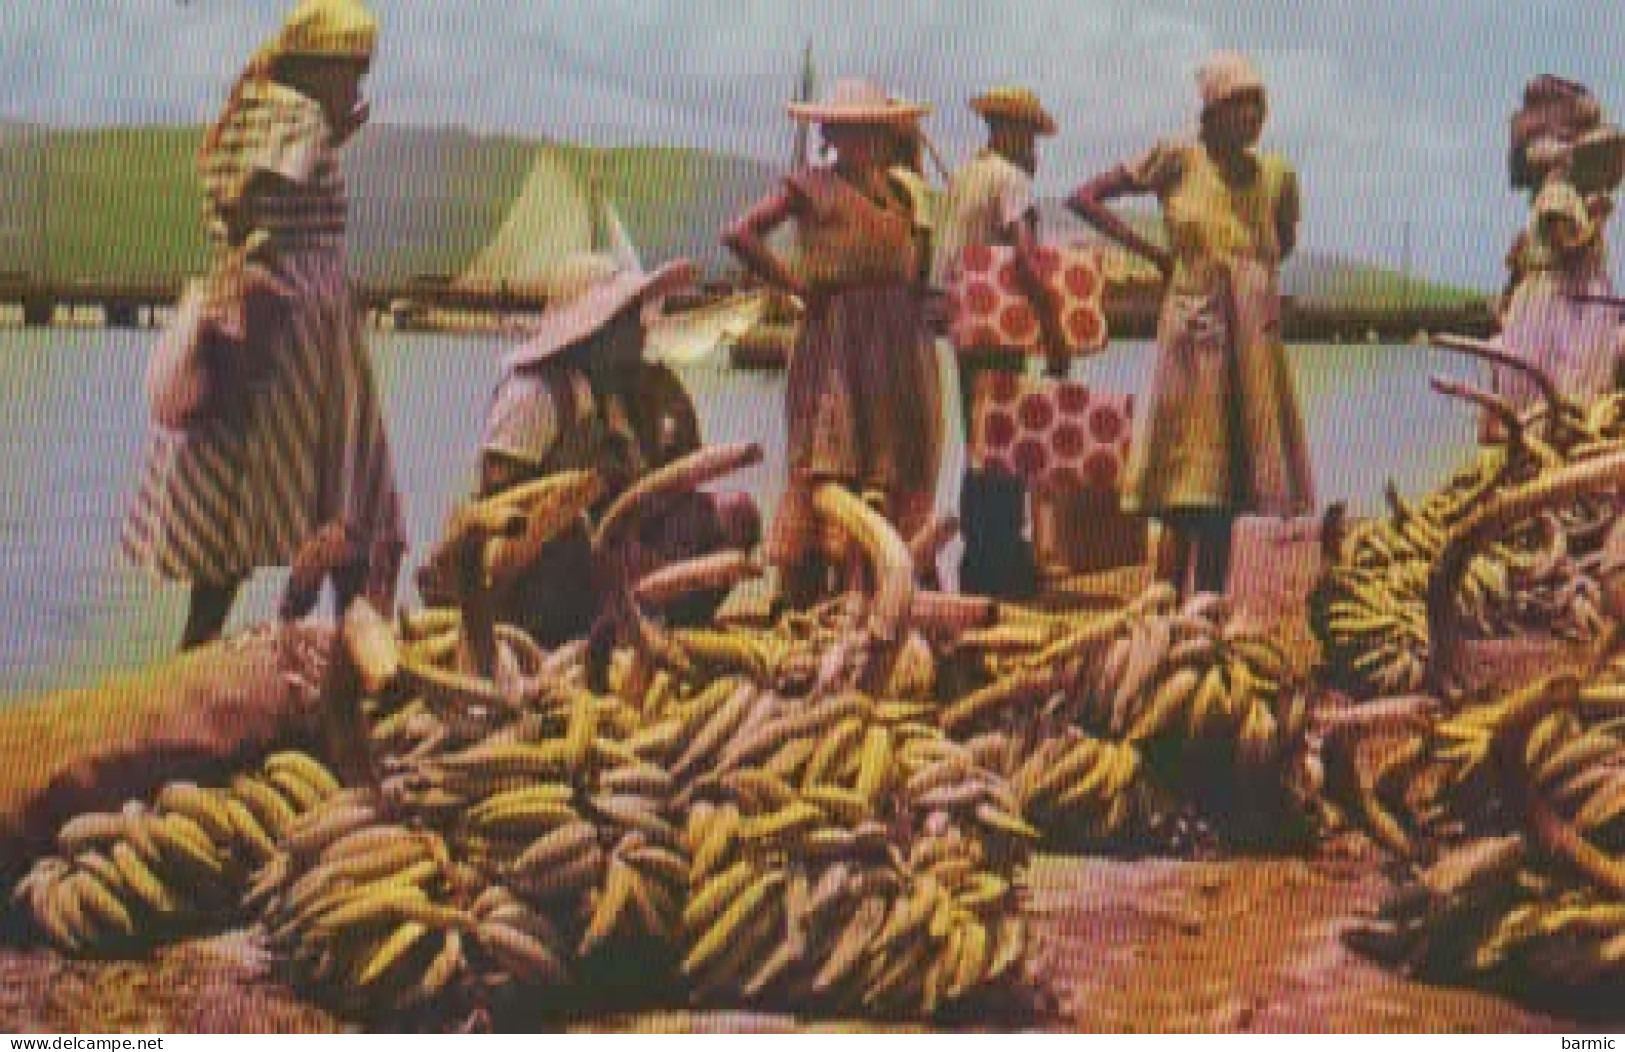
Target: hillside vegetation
(122, 203)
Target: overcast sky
(1395, 111)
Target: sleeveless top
(1208, 220)
(846, 238)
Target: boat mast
(806, 87)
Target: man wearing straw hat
(990, 202)
(578, 395)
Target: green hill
(123, 203)
(1310, 277)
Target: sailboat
(562, 234)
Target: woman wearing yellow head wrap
(304, 444)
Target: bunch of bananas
(1369, 612)
(1542, 905)
(803, 891)
(371, 911)
(1124, 717)
(1197, 673)
(123, 881)
(565, 812)
(1086, 791)
(582, 825)
(860, 931)
(360, 908)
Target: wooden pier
(141, 304)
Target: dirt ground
(1151, 945)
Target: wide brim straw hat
(854, 100)
(1017, 106)
(1225, 75)
(578, 316)
(341, 29)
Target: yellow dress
(1222, 428)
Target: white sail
(551, 219)
(609, 236)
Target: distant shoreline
(25, 301)
(120, 203)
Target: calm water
(74, 420)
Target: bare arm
(1286, 216)
(1046, 304)
(1088, 202)
(746, 238)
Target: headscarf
(314, 28)
(1225, 75)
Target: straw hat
(328, 29)
(1016, 105)
(582, 314)
(857, 101)
(1225, 75)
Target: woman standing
(863, 396)
(1558, 261)
(1223, 435)
(304, 445)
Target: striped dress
(307, 445)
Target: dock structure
(144, 303)
(1134, 317)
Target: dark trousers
(998, 559)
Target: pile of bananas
(1512, 813)
(833, 810)
(1125, 717)
(122, 881)
(1369, 612)
(708, 825)
(849, 857)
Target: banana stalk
(1468, 538)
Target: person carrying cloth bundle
(1223, 434)
(1571, 162)
(863, 391)
(578, 395)
(990, 202)
(301, 442)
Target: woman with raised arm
(303, 445)
(1222, 435)
(863, 396)
(1556, 312)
